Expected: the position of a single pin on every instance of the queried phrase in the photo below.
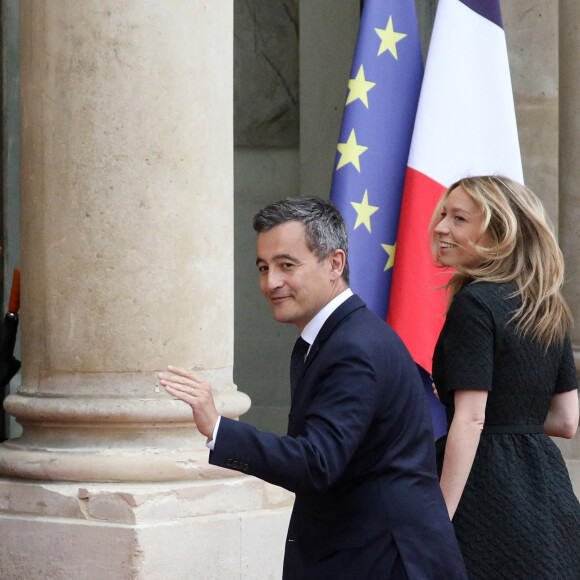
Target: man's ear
(337, 264)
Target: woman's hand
(462, 442)
(435, 390)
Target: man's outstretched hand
(196, 393)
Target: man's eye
(287, 265)
(262, 269)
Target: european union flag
(377, 125)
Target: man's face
(295, 283)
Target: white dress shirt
(309, 334)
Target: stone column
(127, 265)
(569, 167)
(127, 235)
(569, 186)
(536, 96)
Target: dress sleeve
(468, 345)
(567, 380)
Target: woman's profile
(503, 367)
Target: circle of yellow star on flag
(359, 87)
(391, 252)
(350, 152)
(389, 39)
(364, 211)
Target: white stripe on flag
(466, 121)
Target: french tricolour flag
(465, 125)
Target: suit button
(245, 467)
(235, 465)
(229, 462)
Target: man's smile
(276, 299)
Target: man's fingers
(182, 377)
(185, 386)
(185, 374)
(187, 396)
(189, 390)
(179, 387)
(173, 378)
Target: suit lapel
(300, 395)
(346, 308)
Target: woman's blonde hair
(519, 246)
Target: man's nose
(272, 280)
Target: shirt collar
(312, 329)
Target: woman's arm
(562, 419)
(462, 442)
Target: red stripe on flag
(417, 304)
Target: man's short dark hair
(325, 227)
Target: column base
(232, 528)
(116, 428)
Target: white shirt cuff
(210, 443)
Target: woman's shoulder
(485, 291)
(490, 297)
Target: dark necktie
(297, 362)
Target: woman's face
(457, 231)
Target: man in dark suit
(359, 453)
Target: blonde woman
(504, 369)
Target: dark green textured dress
(518, 516)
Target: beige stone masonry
(127, 266)
(202, 530)
(127, 236)
(569, 178)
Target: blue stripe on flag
(374, 142)
(489, 9)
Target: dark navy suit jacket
(359, 456)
